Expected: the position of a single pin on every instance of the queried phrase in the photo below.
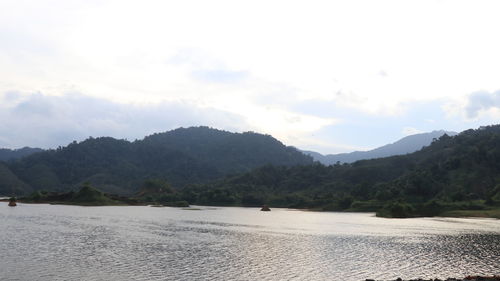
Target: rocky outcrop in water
(12, 202)
(265, 208)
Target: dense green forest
(211, 167)
(182, 156)
(460, 172)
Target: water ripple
(41, 242)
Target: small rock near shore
(265, 208)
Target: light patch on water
(46, 242)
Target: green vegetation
(176, 204)
(160, 193)
(86, 196)
(155, 192)
(453, 173)
(452, 176)
(10, 184)
(182, 156)
(90, 195)
(491, 213)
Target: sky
(329, 76)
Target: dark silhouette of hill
(405, 145)
(10, 184)
(12, 154)
(179, 157)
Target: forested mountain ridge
(182, 156)
(459, 172)
(408, 144)
(461, 168)
(11, 154)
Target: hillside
(182, 156)
(451, 170)
(10, 184)
(403, 146)
(12, 154)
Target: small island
(152, 193)
(265, 208)
(12, 202)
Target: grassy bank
(434, 208)
(491, 213)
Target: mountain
(405, 145)
(10, 184)
(179, 157)
(451, 172)
(11, 154)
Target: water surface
(50, 242)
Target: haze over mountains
(11, 154)
(405, 145)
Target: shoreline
(466, 214)
(468, 278)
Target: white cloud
(255, 59)
(115, 45)
(483, 102)
(49, 121)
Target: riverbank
(89, 196)
(468, 278)
(492, 213)
(434, 208)
(125, 201)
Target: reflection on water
(43, 242)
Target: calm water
(43, 242)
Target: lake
(56, 242)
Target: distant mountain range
(180, 157)
(459, 172)
(405, 145)
(12, 154)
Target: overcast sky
(330, 76)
